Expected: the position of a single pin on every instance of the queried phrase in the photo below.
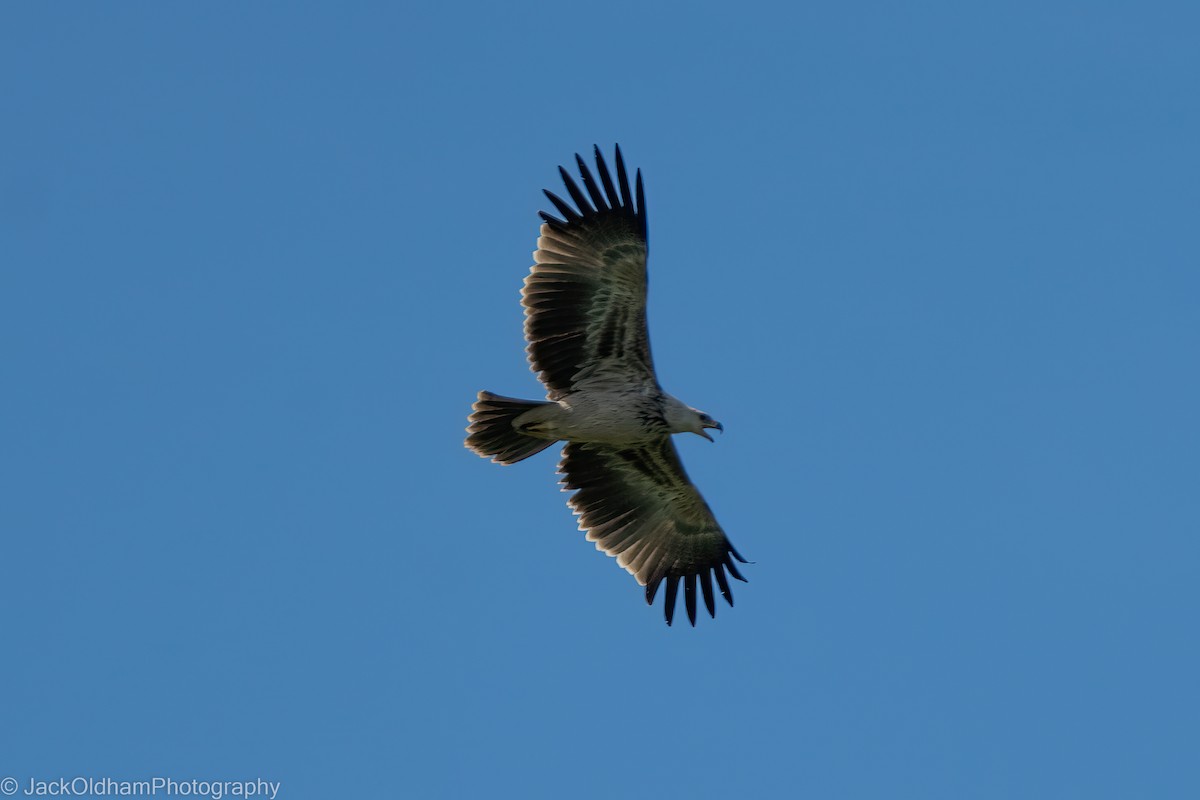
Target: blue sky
(933, 265)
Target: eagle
(585, 324)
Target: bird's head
(682, 418)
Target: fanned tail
(491, 432)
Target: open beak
(713, 424)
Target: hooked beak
(713, 424)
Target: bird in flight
(585, 324)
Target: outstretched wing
(585, 296)
(637, 504)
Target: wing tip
(689, 581)
(608, 198)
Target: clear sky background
(934, 265)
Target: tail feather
(491, 432)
